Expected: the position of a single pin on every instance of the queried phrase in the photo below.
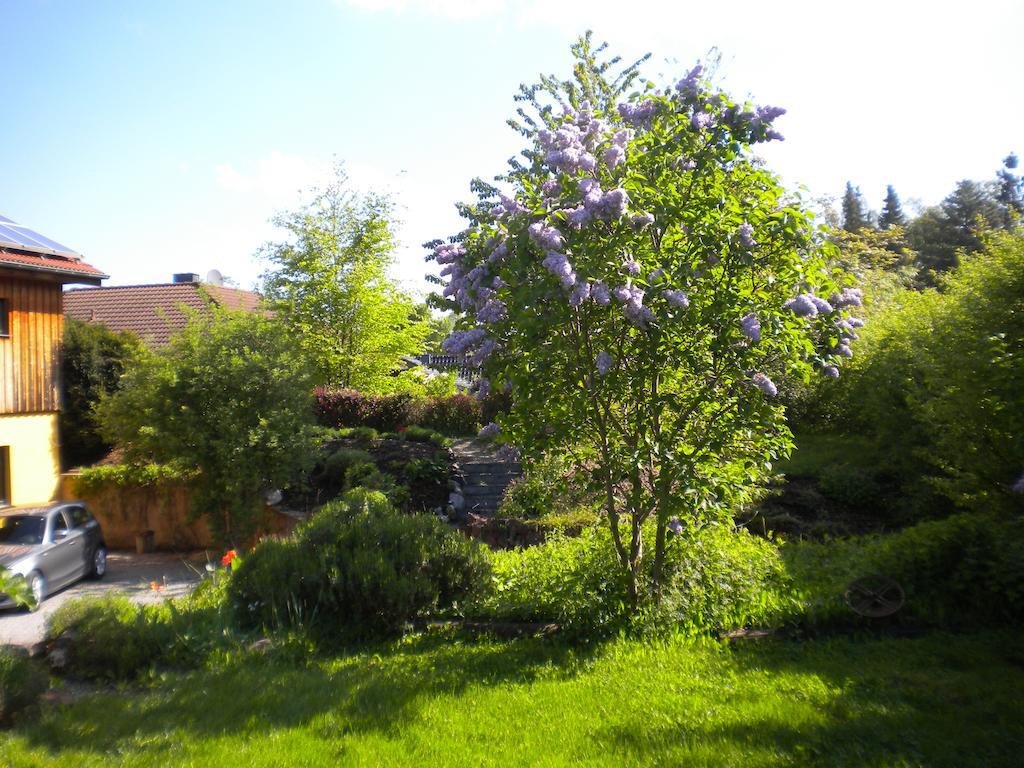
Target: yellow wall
(33, 445)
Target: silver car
(52, 546)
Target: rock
(457, 500)
(262, 645)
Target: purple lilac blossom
(830, 372)
(632, 266)
(614, 156)
(640, 114)
(802, 306)
(1018, 487)
(508, 453)
(843, 350)
(700, 120)
(579, 216)
(494, 311)
(459, 341)
(483, 388)
(745, 233)
(599, 292)
(546, 237)
(490, 430)
(446, 253)
(580, 293)
(821, 305)
(613, 204)
(676, 298)
(590, 190)
(655, 275)
(622, 138)
(765, 384)
(622, 293)
(604, 362)
(750, 325)
(687, 87)
(855, 322)
(642, 220)
(551, 187)
(675, 526)
(485, 351)
(850, 297)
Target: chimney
(186, 277)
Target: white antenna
(214, 277)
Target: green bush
(110, 636)
(425, 435)
(546, 486)
(852, 486)
(965, 570)
(357, 569)
(718, 578)
(22, 682)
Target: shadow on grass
(942, 700)
(371, 690)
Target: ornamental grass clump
(639, 290)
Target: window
(5, 318)
(79, 517)
(5, 476)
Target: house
(33, 271)
(154, 313)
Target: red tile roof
(66, 267)
(152, 312)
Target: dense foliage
(716, 578)
(640, 292)
(230, 399)
(938, 385)
(329, 283)
(451, 415)
(358, 568)
(93, 359)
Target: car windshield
(22, 529)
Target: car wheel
(37, 583)
(99, 562)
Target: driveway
(144, 578)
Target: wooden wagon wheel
(874, 596)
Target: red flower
(401, 429)
(228, 557)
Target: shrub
(456, 415)
(425, 435)
(718, 578)
(357, 569)
(110, 637)
(22, 682)
(853, 486)
(546, 486)
(961, 571)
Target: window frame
(5, 476)
(5, 317)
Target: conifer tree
(855, 214)
(892, 212)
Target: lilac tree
(640, 289)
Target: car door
(66, 555)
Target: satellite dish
(214, 277)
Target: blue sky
(160, 137)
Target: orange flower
(228, 557)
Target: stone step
(493, 467)
(478, 492)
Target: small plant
(14, 586)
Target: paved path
(484, 475)
(126, 572)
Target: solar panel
(20, 236)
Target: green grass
(941, 700)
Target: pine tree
(855, 214)
(892, 212)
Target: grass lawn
(941, 700)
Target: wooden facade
(30, 353)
